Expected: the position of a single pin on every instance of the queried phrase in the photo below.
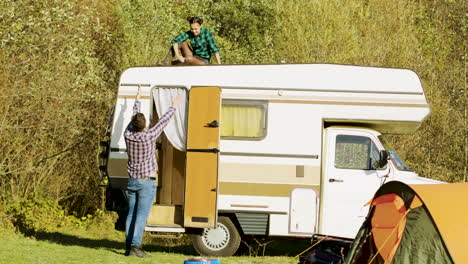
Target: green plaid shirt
(203, 45)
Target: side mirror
(383, 160)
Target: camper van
(289, 150)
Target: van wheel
(222, 241)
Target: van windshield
(396, 160)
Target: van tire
(222, 241)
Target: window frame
(262, 103)
(369, 154)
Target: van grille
(253, 224)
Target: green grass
(106, 246)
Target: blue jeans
(141, 195)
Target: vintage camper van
(279, 150)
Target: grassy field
(76, 246)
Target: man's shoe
(138, 252)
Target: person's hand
(181, 59)
(177, 100)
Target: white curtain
(176, 129)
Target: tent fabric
(447, 204)
(388, 224)
(363, 249)
(176, 129)
(422, 240)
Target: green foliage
(144, 29)
(55, 93)
(427, 37)
(372, 33)
(34, 215)
(30, 216)
(439, 149)
(5, 223)
(246, 30)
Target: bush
(33, 215)
(5, 223)
(55, 95)
(30, 216)
(245, 29)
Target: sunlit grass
(75, 246)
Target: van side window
(243, 119)
(355, 152)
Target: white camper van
(278, 150)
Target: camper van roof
(317, 77)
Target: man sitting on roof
(197, 45)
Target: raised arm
(164, 120)
(137, 104)
(136, 109)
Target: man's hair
(193, 20)
(138, 122)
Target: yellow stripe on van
(261, 189)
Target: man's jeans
(141, 195)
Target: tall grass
(374, 33)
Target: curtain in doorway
(176, 129)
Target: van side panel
(261, 176)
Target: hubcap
(216, 238)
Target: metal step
(165, 228)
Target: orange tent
(414, 224)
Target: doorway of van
(168, 207)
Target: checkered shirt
(203, 45)
(141, 146)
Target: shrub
(5, 223)
(33, 215)
(30, 216)
(55, 93)
(246, 30)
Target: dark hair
(138, 122)
(193, 20)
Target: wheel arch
(232, 216)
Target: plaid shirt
(203, 45)
(141, 146)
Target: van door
(201, 184)
(350, 181)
